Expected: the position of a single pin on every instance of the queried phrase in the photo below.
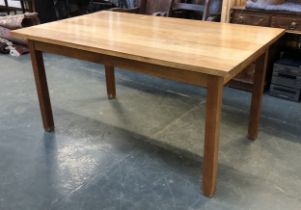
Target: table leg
(110, 81)
(42, 87)
(212, 131)
(259, 82)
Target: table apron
(186, 76)
(238, 69)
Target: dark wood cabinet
(250, 19)
(286, 22)
(289, 21)
(46, 11)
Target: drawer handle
(241, 19)
(293, 25)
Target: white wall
(11, 3)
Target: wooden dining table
(201, 53)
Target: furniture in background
(150, 7)
(226, 8)
(193, 9)
(9, 44)
(97, 5)
(291, 21)
(6, 7)
(26, 5)
(196, 9)
(286, 79)
(62, 8)
(46, 10)
(123, 3)
(192, 56)
(69, 8)
(159, 7)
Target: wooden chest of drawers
(285, 20)
(250, 18)
(289, 21)
(292, 23)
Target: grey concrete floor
(141, 151)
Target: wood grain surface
(207, 47)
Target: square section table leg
(42, 87)
(258, 88)
(215, 87)
(110, 81)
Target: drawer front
(251, 19)
(289, 23)
(285, 92)
(284, 69)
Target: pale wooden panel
(205, 47)
(239, 2)
(226, 8)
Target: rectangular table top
(205, 47)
